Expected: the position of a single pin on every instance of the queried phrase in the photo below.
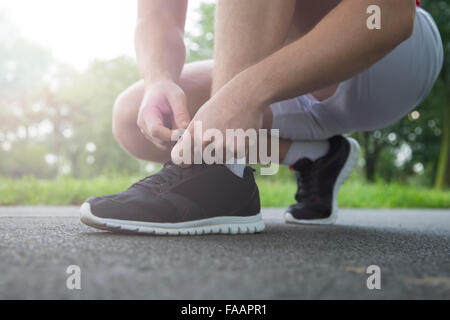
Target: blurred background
(63, 63)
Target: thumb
(177, 101)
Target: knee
(124, 117)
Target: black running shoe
(176, 201)
(319, 181)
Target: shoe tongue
(155, 178)
(170, 168)
(302, 164)
(158, 178)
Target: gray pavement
(411, 247)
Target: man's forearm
(159, 41)
(339, 47)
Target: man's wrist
(253, 89)
(157, 77)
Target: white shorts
(373, 99)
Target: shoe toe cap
(304, 212)
(103, 207)
(132, 207)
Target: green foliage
(200, 42)
(38, 94)
(84, 107)
(441, 95)
(60, 191)
(426, 138)
(26, 159)
(77, 109)
(274, 193)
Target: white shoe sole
(346, 170)
(217, 225)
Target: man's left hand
(229, 108)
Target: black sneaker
(319, 181)
(176, 201)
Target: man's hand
(163, 109)
(229, 108)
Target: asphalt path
(410, 247)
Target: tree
(80, 110)
(23, 66)
(441, 12)
(423, 135)
(200, 42)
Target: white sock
(237, 167)
(312, 150)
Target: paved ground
(412, 248)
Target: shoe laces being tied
(169, 174)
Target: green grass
(355, 194)
(274, 193)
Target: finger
(151, 124)
(185, 146)
(213, 152)
(198, 145)
(156, 130)
(176, 154)
(213, 147)
(219, 150)
(158, 143)
(177, 101)
(176, 135)
(146, 134)
(161, 133)
(160, 146)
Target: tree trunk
(443, 169)
(370, 156)
(370, 168)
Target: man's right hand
(162, 110)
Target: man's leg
(195, 80)
(362, 103)
(188, 201)
(246, 32)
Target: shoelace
(308, 184)
(164, 178)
